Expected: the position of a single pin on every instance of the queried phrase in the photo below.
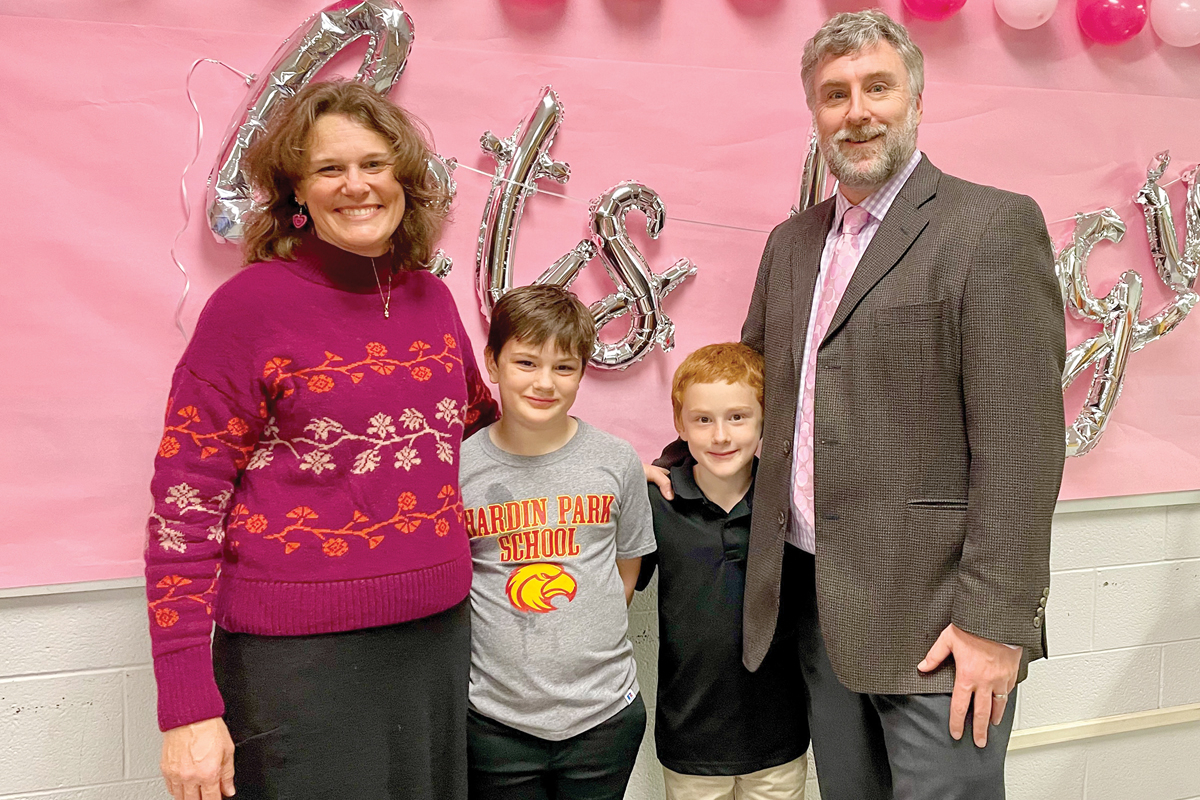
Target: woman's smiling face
(349, 186)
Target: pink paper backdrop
(699, 99)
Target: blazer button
(1042, 602)
(783, 519)
(1037, 622)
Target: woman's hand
(197, 761)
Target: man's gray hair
(852, 32)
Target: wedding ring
(999, 696)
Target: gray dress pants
(880, 747)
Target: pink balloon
(1177, 22)
(1111, 21)
(1025, 15)
(935, 10)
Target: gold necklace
(387, 301)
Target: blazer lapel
(899, 229)
(806, 264)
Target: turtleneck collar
(320, 262)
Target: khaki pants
(784, 782)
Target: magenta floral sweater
(307, 478)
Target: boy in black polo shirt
(720, 730)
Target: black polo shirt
(714, 717)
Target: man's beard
(898, 144)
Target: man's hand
(197, 761)
(660, 478)
(984, 669)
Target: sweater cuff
(187, 690)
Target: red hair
(727, 362)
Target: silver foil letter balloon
(814, 178)
(639, 291)
(521, 159)
(1123, 332)
(319, 38)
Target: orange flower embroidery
(209, 442)
(275, 365)
(166, 617)
(256, 524)
(320, 383)
(337, 541)
(318, 377)
(335, 547)
(408, 525)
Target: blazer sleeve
(1013, 349)
(755, 326)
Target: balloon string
(187, 207)
(539, 190)
(1121, 207)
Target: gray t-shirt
(549, 651)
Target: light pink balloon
(1177, 22)
(935, 10)
(1111, 21)
(1025, 15)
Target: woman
(306, 486)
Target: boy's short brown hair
(540, 314)
(726, 362)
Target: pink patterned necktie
(846, 252)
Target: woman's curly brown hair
(276, 162)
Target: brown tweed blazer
(938, 436)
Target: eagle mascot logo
(531, 587)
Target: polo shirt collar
(683, 483)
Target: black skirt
(374, 714)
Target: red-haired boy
(721, 731)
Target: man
(913, 446)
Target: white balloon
(1176, 22)
(1025, 14)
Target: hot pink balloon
(1111, 21)
(934, 10)
(1025, 15)
(1177, 22)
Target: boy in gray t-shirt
(559, 518)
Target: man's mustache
(859, 133)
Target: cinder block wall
(77, 690)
